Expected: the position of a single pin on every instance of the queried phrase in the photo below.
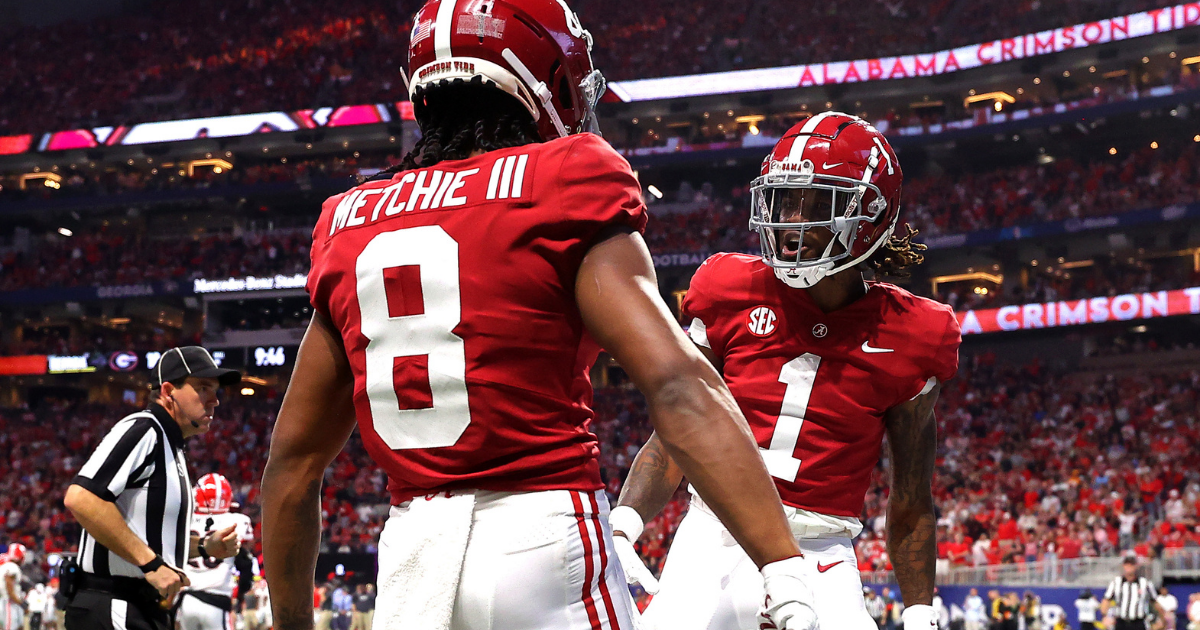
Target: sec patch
(761, 321)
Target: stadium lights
(655, 191)
(218, 166)
(254, 380)
(49, 180)
(1112, 151)
(247, 391)
(752, 121)
(1190, 60)
(1153, 145)
(65, 232)
(994, 278)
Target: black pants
(1130, 624)
(1087, 625)
(101, 610)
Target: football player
(460, 300)
(13, 609)
(207, 603)
(823, 364)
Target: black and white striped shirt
(1132, 599)
(140, 466)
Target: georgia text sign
(1087, 311)
(922, 65)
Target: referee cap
(178, 363)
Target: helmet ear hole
(564, 94)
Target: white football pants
(196, 615)
(533, 561)
(709, 583)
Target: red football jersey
(454, 291)
(815, 386)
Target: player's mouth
(792, 246)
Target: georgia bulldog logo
(761, 321)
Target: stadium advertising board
(214, 127)
(1095, 310)
(739, 81)
(18, 366)
(908, 66)
(249, 283)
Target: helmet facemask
(807, 222)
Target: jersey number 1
(799, 375)
(429, 333)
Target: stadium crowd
(110, 259)
(227, 57)
(1033, 465)
(693, 220)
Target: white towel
(421, 553)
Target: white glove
(919, 617)
(626, 520)
(788, 605)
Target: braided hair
(457, 118)
(898, 254)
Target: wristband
(154, 565)
(919, 617)
(627, 521)
(200, 548)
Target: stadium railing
(1181, 563)
(1090, 572)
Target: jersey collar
(170, 427)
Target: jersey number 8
(430, 333)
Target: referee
(134, 501)
(1131, 596)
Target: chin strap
(539, 90)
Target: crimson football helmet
(848, 178)
(16, 553)
(214, 495)
(535, 50)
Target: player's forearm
(652, 481)
(291, 536)
(103, 521)
(912, 546)
(706, 436)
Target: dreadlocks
(898, 254)
(459, 118)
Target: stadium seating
(227, 57)
(1031, 463)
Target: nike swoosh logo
(827, 165)
(866, 347)
(821, 568)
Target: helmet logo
(820, 330)
(573, 24)
(762, 321)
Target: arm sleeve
(317, 254)
(945, 364)
(123, 457)
(699, 310)
(1111, 593)
(598, 188)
